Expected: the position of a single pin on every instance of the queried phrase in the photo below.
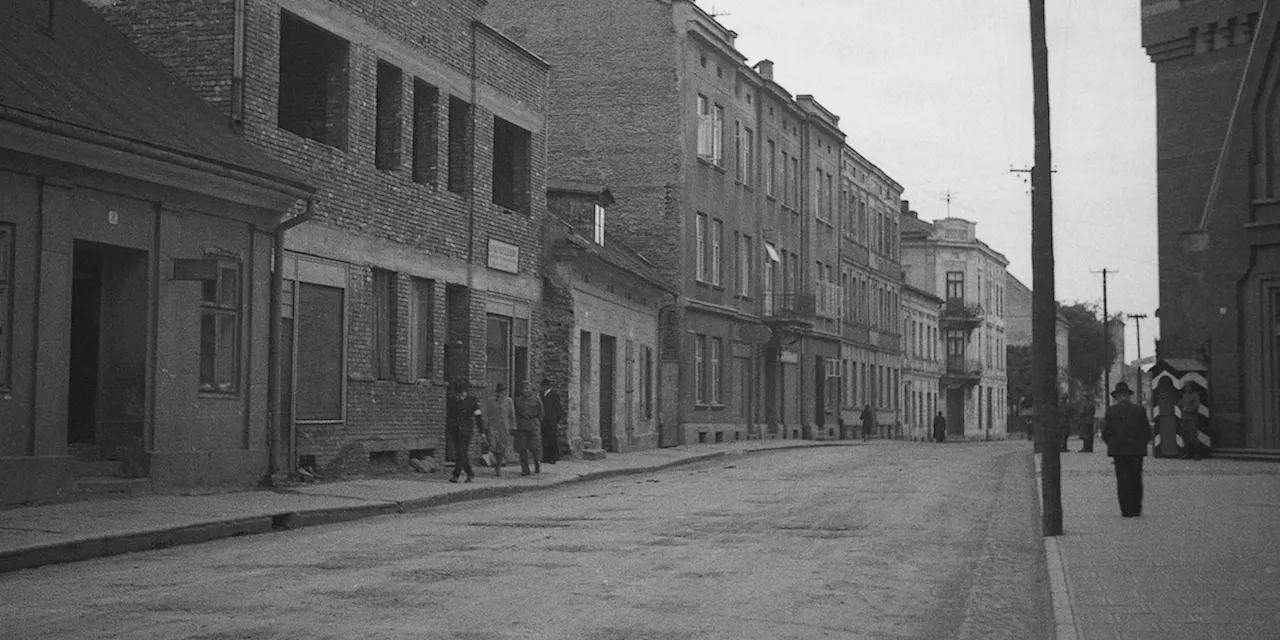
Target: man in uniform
(463, 418)
(1126, 430)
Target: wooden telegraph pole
(1044, 308)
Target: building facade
(1018, 331)
(602, 303)
(1218, 188)
(728, 183)
(421, 261)
(135, 271)
(922, 361)
(947, 258)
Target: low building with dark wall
(603, 303)
(422, 128)
(1217, 71)
(136, 236)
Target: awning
(772, 251)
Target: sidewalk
(1201, 562)
(67, 532)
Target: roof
(87, 76)
(585, 188)
(617, 255)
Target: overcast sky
(938, 94)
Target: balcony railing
(956, 313)
(789, 306)
(962, 367)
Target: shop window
(387, 117)
(384, 324)
(6, 304)
(319, 351)
(219, 331)
(313, 82)
(459, 144)
(511, 166)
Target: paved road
(890, 540)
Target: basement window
(511, 166)
(313, 82)
(387, 119)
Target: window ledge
(719, 167)
(217, 395)
(717, 407)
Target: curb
(1065, 627)
(87, 549)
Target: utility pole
(1044, 307)
(1106, 334)
(1137, 324)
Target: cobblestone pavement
(890, 540)
(1202, 561)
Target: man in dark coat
(939, 428)
(868, 422)
(552, 414)
(1127, 430)
(463, 418)
(1086, 416)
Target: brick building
(136, 235)
(421, 262)
(1219, 205)
(727, 182)
(947, 259)
(602, 303)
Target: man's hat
(461, 384)
(1121, 387)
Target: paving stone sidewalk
(66, 532)
(1201, 562)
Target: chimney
(765, 67)
(906, 206)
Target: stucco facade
(922, 361)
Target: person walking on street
(462, 419)
(939, 428)
(1189, 404)
(499, 420)
(868, 422)
(528, 424)
(552, 414)
(1126, 430)
(1064, 424)
(1088, 412)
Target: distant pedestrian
(939, 428)
(1064, 424)
(552, 414)
(1127, 430)
(499, 420)
(1088, 413)
(528, 425)
(462, 419)
(1189, 404)
(868, 422)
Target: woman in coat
(499, 419)
(528, 427)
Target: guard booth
(1168, 379)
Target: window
(715, 371)
(6, 304)
(699, 375)
(424, 328)
(700, 233)
(786, 178)
(459, 144)
(793, 184)
(425, 102)
(387, 117)
(820, 210)
(740, 163)
(744, 266)
(219, 331)
(598, 227)
(771, 176)
(511, 184)
(717, 135)
(319, 351)
(647, 381)
(384, 324)
(313, 82)
(706, 149)
(955, 285)
(748, 155)
(717, 233)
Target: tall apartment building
(420, 261)
(725, 180)
(947, 259)
(922, 361)
(1217, 68)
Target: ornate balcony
(956, 314)
(789, 308)
(962, 370)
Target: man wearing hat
(462, 419)
(1127, 430)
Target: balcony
(956, 314)
(789, 308)
(962, 370)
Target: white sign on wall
(504, 256)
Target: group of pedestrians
(527, 425)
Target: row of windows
(314, 86)
(864, 383)
(709, 256)
(870, 225)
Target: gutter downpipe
(279, 468)
(237, 67)
(469, 180)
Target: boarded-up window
(313, 82)
(319, 349)
(459, 144)
(511, 166)
(389, 94)
(425, 99)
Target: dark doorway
(955, 412)
(608, 353)
(106, 399)
(819, 393)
